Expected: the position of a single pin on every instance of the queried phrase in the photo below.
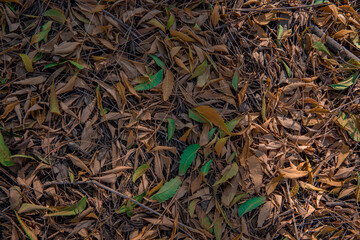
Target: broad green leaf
(197, 117)
(349, 125)
(171, 128)
(250, 205)
(72, 210)
(153, 82)
(42, 35)
(211, 133)
(78, 65)
(228, 174)
(140, 171)
(158, 61)
(187, 157)
(56, 15)
(168, 190)
(27, 62)
(211, 115)
(54, 104)
(5, 158)
(231, 125)
(321, 47)
(236, 80)
(199, 69)
(170, 21)
(287, 69)
(205, 169)
(346, 83)
(28, 207)
(29, 232)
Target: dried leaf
(215, 15)
(54, 104)
(212, 116)
(168, 84)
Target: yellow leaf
(215, 15)
(220, 145)
(54, 104)
(292, 173)
(156, 23)
(211, 115)
(27, 62)
(182, 36)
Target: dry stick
(280, 8)
(127, 198)
(333, 45)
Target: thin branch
(280, 8)
(181, 225)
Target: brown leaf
(211, 115)
(32, 81)
(167, 84)
(215, 15)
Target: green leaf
(287, 69)
(28, 207)
(42, 35)
(250, 205)
(280, 32)
(29, 232)
(217, 229)
(5, 158)
(52, 65)
(231, 125)
(56, 15)
(236, 80)
(211, 133)
(197, 117)
(205, 169)
(192, 206)
(187, 157)
(231, 158)
(153, 82)
(319, 2)
(170, 21)
(346, 83)
(171, 128)
(22, 156)
(321, 47)
(38, 56)
(27, 62)
(228, 174)
(72, 210)
(199, 69)
(78, 65)
(349, 125)
(158, 61)
(140, 171)
(129, 206)
(168, 190)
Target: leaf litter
(179, 120)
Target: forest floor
(190, 119)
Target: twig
(280, 8)
(181, 225)
(333, 45)
(122, 24)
